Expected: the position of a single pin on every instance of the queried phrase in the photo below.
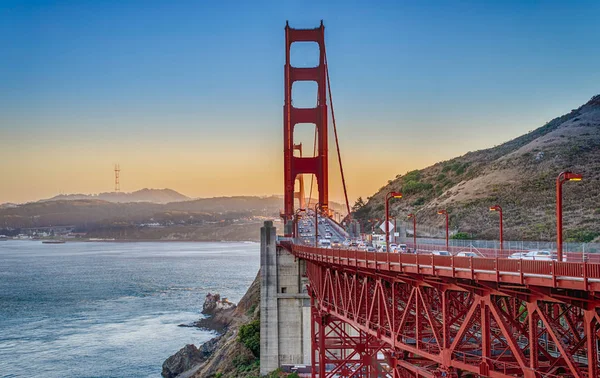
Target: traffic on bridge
(381, 308)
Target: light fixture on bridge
(562, 178)
(445, 212)
(499, 210)
(388, 197)
(414, 218)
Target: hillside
(519, 175)
(143, 195)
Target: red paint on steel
(562, 178)
(432, 316)
(317, 165)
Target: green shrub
(245, 365)
(412, 187)
(580, 236)
(250, 336)
(461, 236)
(412, 176)
(441, 177)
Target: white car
(539, 255)
(440, 253)
(466, 254)
(517, 255)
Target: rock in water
(214, 303)
(188, 357)
(219, 313)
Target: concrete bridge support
(285, 319)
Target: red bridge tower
(297, 165)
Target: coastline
(139, 241)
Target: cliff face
(232, 354)
(519, 175)
(236, 356)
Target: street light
(296, 221)
(445, 212)
(562, 177)
(317, 206)
(395, 226)
(499, 210)
(388, 197)
(373, 223)
(414, 218)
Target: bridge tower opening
(299, 165)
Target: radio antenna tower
(117, 184)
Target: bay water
(86, 309)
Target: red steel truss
(295, 165)
(408, 316)
(402, 315)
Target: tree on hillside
(358, 204)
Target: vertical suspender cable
(312, 177)
(337, 144)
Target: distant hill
(143, 195)
(91, 211)
(519, 175)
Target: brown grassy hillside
(519, 175)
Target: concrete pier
(284, 306)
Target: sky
(189, 94)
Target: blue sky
(189, 94)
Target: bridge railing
(570, 256)
(581, 272)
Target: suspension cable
(337, 144)
(312, 177)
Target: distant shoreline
(140, 241)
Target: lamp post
(395, 227)
(296, 221)
(445, 212)
(414, 218)
(562, 177)
(388, 197)
(373, 223)
(499, 210)
(317, 206)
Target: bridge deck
(555, 274)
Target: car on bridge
(517, 255)
(324, 243)
(440, 253)
(539, 255)
(534, 255)
(466, 254)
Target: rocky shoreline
(224, 355)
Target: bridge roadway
(554, 274)
(407, 315)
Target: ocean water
(109, 309)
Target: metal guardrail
(497, 252)
(572, 275)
